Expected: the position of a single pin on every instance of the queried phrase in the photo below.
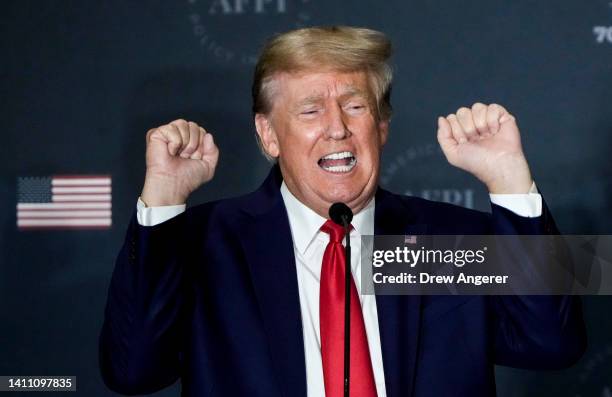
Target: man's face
(323, 129)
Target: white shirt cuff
(528, 205)
(151, 216)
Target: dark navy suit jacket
(211, 297)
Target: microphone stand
(342, 215)
(347, 306)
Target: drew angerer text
(426, 278)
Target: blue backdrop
(82, 82)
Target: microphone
(342, 215)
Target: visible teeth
(338, 156)
(340, 168)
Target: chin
(343, 195)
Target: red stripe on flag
(76, 227)
(76, 176)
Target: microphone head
(341, 214)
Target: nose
(336, 124)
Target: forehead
(321, 85)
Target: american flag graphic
(64, 202)
(410, 239)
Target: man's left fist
(485, 141)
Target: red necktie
(331, 313)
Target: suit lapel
(398, 316)
(269, 251)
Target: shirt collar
(305, 223)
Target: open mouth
(339, 162)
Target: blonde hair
(333, 48)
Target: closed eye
(310, 113)
(356, 108)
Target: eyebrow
(350, 91)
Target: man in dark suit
(238, 297)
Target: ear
(267, 136)
(383, 131)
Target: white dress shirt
(309, 245)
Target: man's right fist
(181, 156)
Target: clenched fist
(485, 141)
(181, 156)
